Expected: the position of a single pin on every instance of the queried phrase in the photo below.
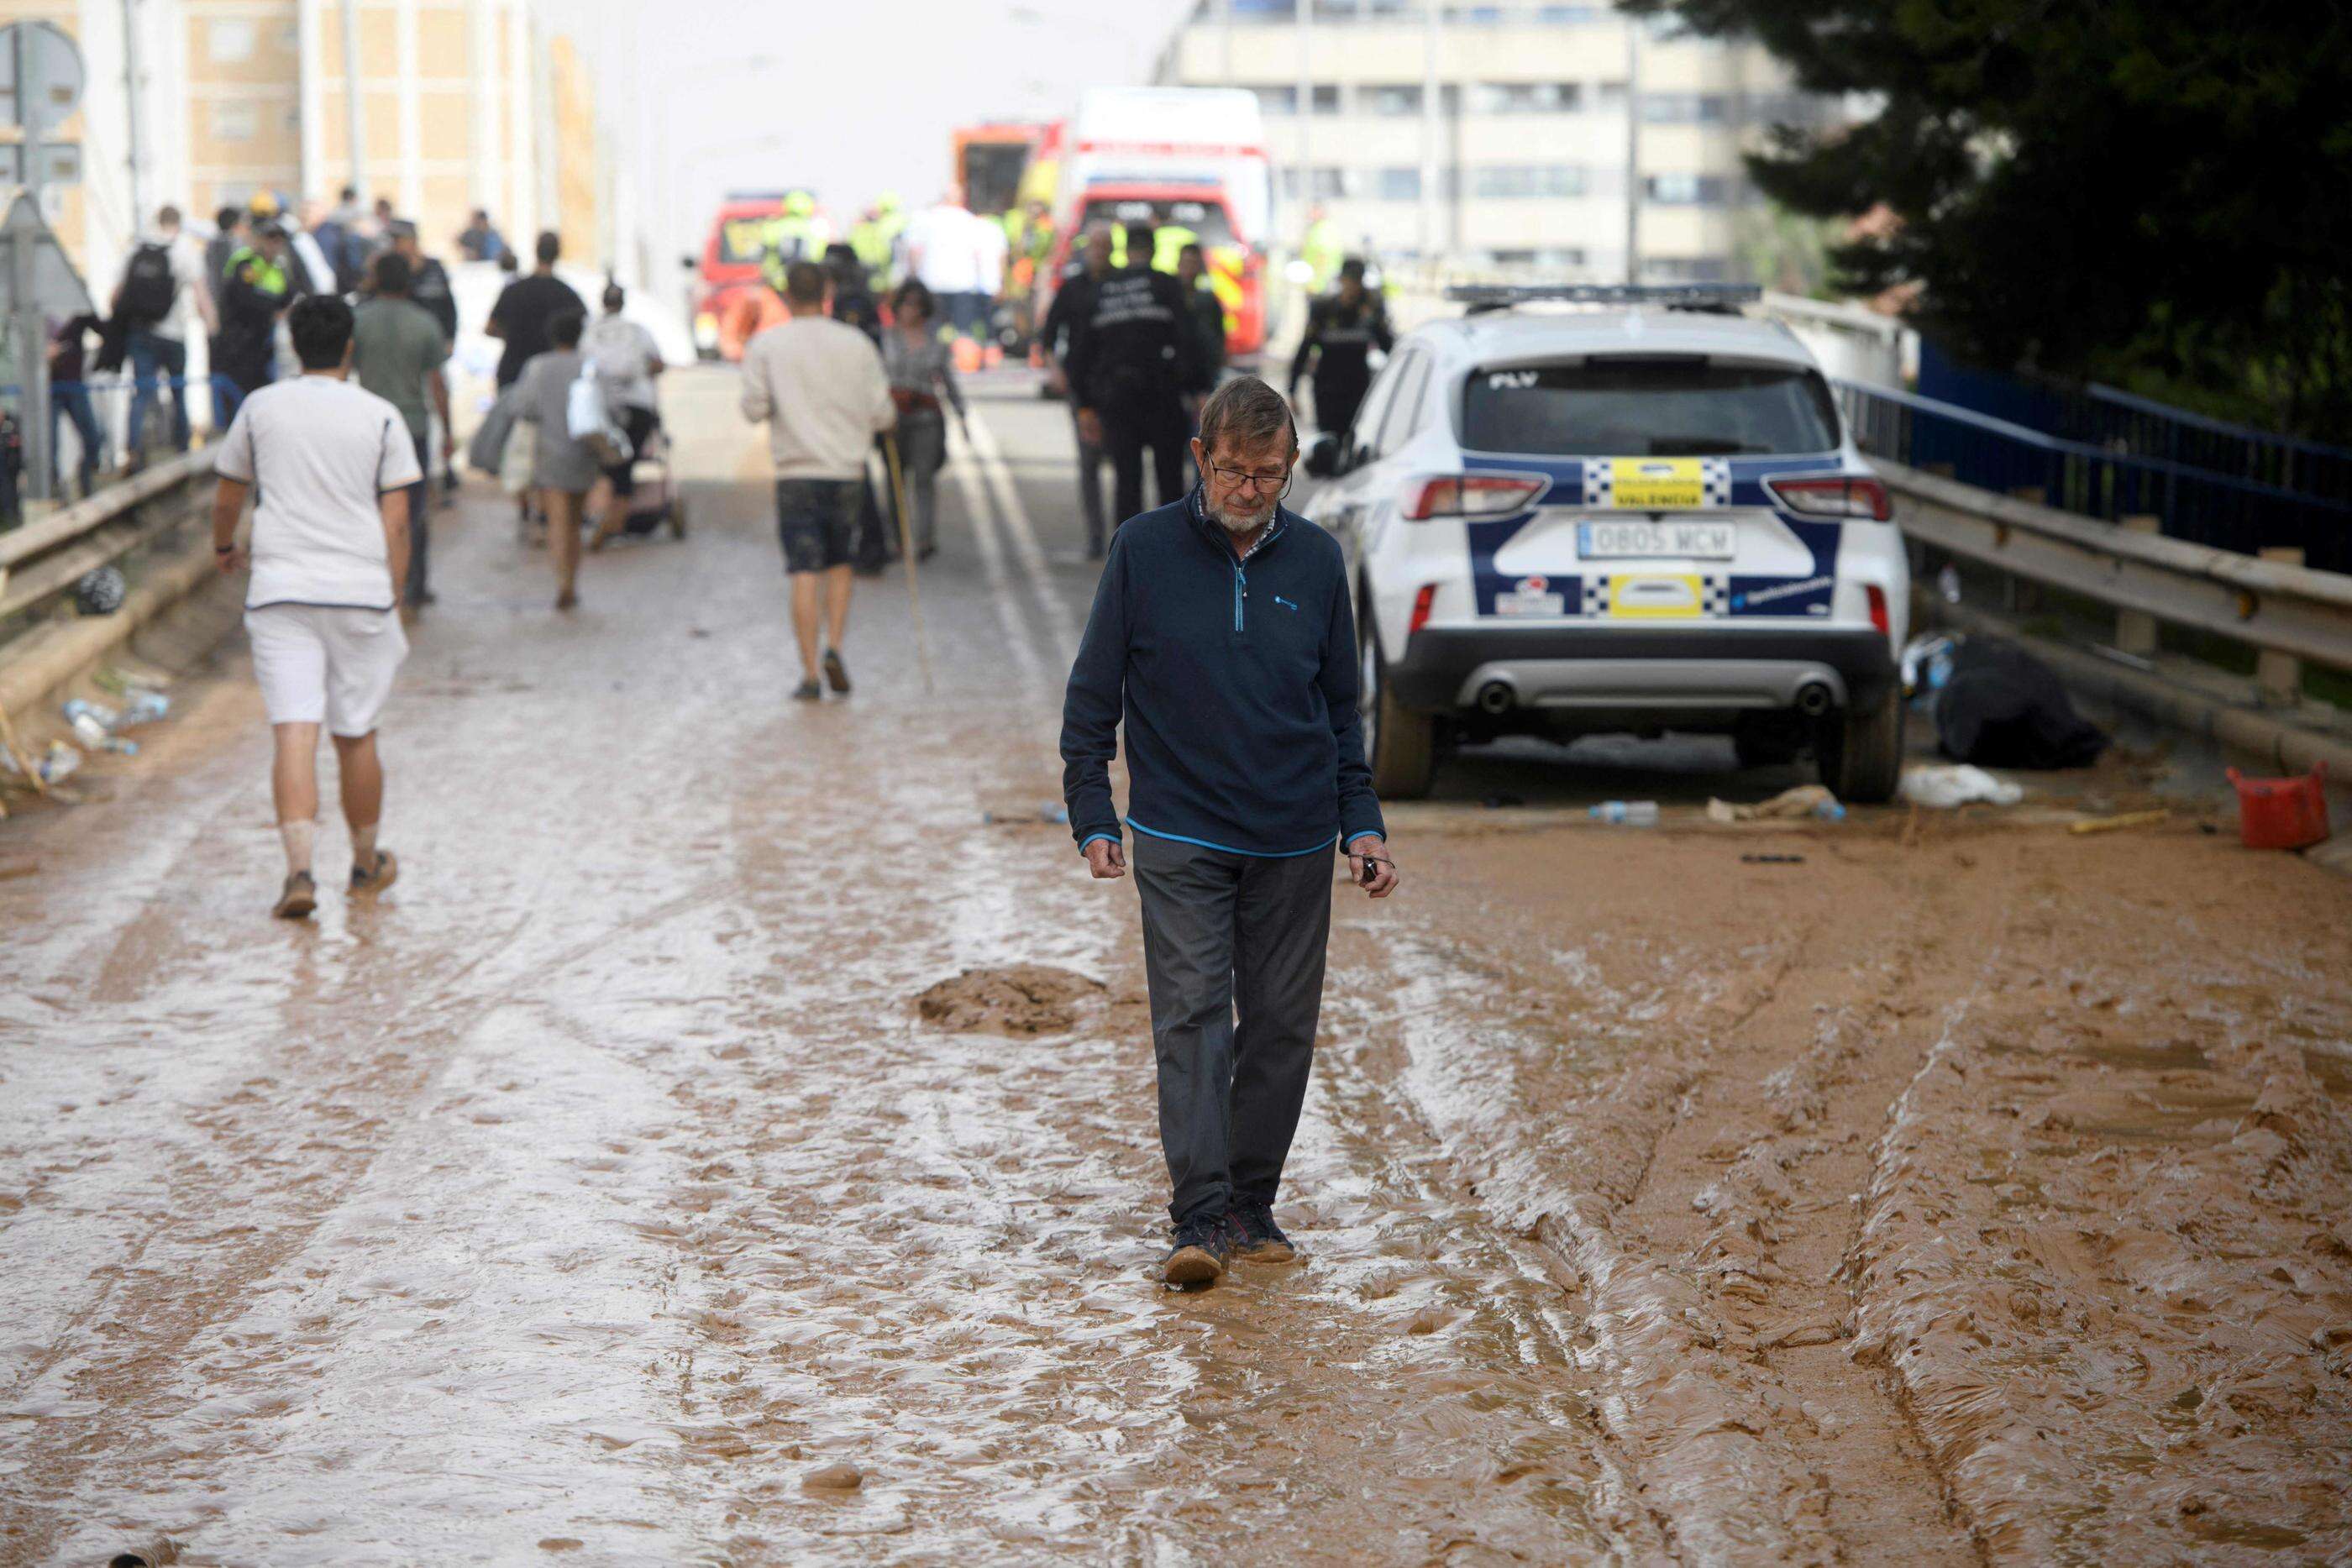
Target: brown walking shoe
(371, 880)
(298, 898)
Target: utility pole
(131, 112)
(354, 111)
(1429, 100)
(1633, 149)
(1306, 108)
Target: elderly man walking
(1223, 635)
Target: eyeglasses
(1258, 483)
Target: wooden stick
(907, 549)
(8, 738)
(2129, 820)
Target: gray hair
(1246, 412)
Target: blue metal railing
(2098, 480)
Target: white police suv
(1583, 511)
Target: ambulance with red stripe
(1192, 164)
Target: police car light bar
(1673, 296)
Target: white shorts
(325, 664)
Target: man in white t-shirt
(992, 248)
(333, 462)
(945, 252)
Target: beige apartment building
(1519, 137)
(461, 104)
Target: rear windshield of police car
(1624, 407)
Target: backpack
(346, 252)
(149, 289)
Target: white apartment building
(1501, 136)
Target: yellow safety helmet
(800, 203)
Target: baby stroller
(652, 498)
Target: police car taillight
(1834, 497)
(1468, 496)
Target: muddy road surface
(731, 1142)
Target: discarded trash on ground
(1946, 785)
(123, 683)
(54, 766)
(100, 591)
(2113, 824)
(2282, 813)
(1999, 706)
(1804, 801)
(1059, 816)
(1627, 813)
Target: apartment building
(1522, 138)
(461, 104)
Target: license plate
(1639, 539)
(1531, 604)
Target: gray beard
(1240, 526)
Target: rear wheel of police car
(1860, 750)
(1399, 744)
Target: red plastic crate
(2282, 813)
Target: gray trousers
(1223, 931)
(922, 449)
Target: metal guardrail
(51, 554)
(2195, 505)
(2287, 609)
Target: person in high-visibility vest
(871, 240)
(799, 234)
(256, 287)
(1320, 249)
(890, 215)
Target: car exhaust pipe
(1497, 697)
(1814, 698)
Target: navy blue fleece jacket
(1237, 681)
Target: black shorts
(816, 521)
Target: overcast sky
(848, 99)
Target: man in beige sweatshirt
(820, 386)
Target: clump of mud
(1023, 998)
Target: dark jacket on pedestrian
(1339, 340)
(429, 287)
(1074, 301)
(1136, 343)
(1209, 325)
(1237, 680)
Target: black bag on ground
(2003, 707)
(148, 290)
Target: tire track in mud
(2102, 1256)
(1713, 1124)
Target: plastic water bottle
(1631, 813)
